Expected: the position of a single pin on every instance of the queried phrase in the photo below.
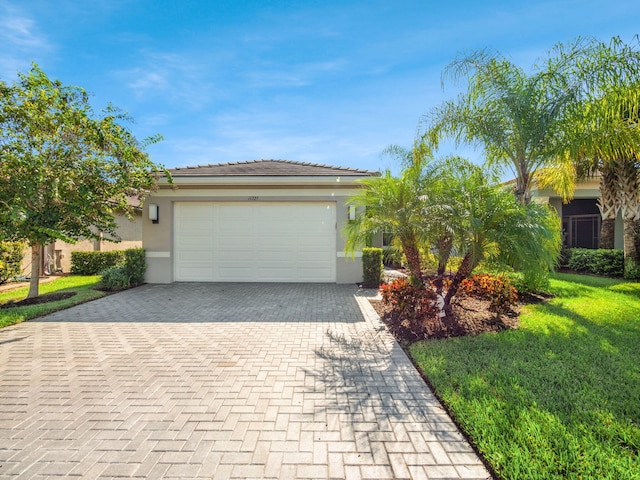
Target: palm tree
(488, 223)
(454, 205)
(393, 205)
(602, 133)
(514, 116)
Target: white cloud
(20, 39)
(142, 81)
(298, 75)
(175, 78)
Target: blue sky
(331, 82)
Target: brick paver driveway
(220, 381)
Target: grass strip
(557, 398)
(82, 285)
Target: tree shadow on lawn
(578, 376)
(603, 355)
(579, 383)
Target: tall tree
(64, 171)
(514, 116)
(391, 204)
(602, 133)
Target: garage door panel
(254, 242)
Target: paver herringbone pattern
(220, 381)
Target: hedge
(372, 266)
(129, 274)
(93, 263)
(609, 263)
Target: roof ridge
(291, 162)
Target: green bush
(128, 274)
(11, 254)
(372, 266)
(93, 263)
(115, 278)
(631, 270)
(609, 263)
(135, 265)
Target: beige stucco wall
(130, 232)
(157, 238)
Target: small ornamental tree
(64, 171)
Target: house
(253, 221)
(56, 257)
(581, 217)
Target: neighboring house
(57, 255)
(581, 217)
(254, 221)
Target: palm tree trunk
(34, 283)
(523, 182)
(466, 267)
(412, 255)
(609, 204)
(630, 207)
(444, 246)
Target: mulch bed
(470, 315)
(49, 297)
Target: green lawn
(84, 286)
(558, 398)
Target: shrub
(631, 269)
(372, 266)
(135, 265)
(392, 257)
(128, 274)
(413, 311)
(11, 254)
(601, 261)
(92, 263)
(497, 289)
(115, 278)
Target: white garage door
(254, 242)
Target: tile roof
(267, 168)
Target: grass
(557, 398)
(82, 285)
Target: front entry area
(255, 242)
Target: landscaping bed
(472, 315)
(49, 297)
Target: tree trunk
(444, 246)
(630, 206)
(607, 233)
(34, 284)
(609, 204)
(412, 255)
(523, 180)
(463, 272)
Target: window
(581, 231)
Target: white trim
(158, 254)
(245, 194)
(265, 180)
(348, 255)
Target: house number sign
(253, 199)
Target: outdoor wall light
(154, 213)
(352, 212)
